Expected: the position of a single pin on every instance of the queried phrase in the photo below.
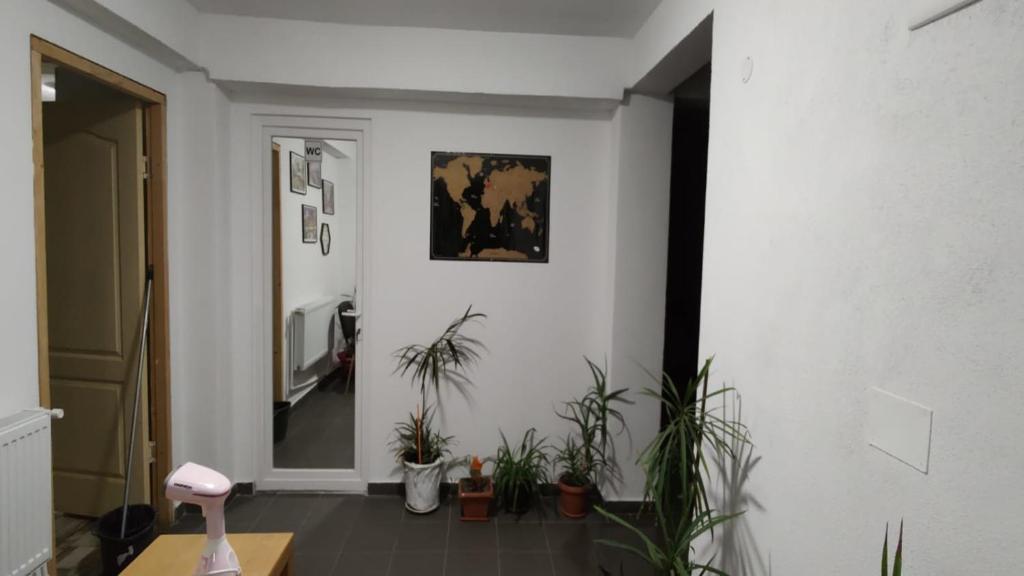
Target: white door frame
(264, 128)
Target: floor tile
(442, 514)
(521, 537)
(471, 563)
(525, 564)
(323, 538)
(533, 515)
(243, 511)
(622, 563)
(321, 428)
(381, 509)
(422, 537)
(370, 564)
(575, 564)
(372, 538)
(285, 513)
(417, 564)
(570, 538)
(314, 564)
(472, 536)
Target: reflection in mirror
(314, 223)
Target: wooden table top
(177, 554)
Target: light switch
(899, 427)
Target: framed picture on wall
(328, 195)
(315, 177)
(325, 238)
(308, 224)
(489, 207)
(298, 173)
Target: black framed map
(491, 207)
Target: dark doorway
(686, 226)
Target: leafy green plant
(675, 465)
(520, 470)
(416, 440)
(570, 459)
(444, 359)
(897, 563)
(585, 453)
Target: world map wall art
(489, 207)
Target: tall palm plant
(442, 360)
(676, 467)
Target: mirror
(314, 286)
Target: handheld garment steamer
(208, 488)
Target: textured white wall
(393, 58)
(193, 213)
(638, 252)
(864, 215)
(542, 317)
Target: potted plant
(476, 493)
(421, 450)
(584, 455)
(519, 472)
(675, 464)
(574, 482)
(419, 447)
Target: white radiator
(26, 493)
(311, 325)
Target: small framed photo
(315, 177)
(298, 173)
(308, 224)
(328, 196)
(325, 238)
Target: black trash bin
(281, 410)
(116, 552)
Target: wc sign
(314, 150)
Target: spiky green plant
(897, 563)
(520, 470)
(417, 441)
(590, 416)
(676, 467)
(444, 359)
(569, 458)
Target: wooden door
(95, 244)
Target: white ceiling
(574, 17)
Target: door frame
(264, 128)
(155, 120)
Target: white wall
(638, 253)
(307, 275)
(331, 55)
(194, 225)
(864, 215)
(542, 317)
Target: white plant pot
(422, 486)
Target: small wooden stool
(177, 555)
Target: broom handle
(138, 394)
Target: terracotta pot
(476, 506)
(572, 500)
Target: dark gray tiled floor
(351, 535)
(321, 427)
